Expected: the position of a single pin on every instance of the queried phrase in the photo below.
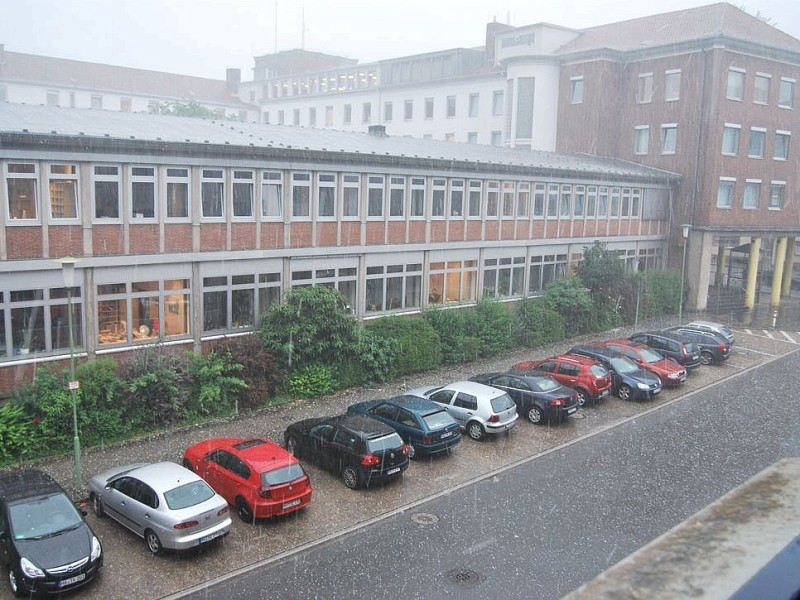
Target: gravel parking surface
(132, 572)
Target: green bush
(155, 388)
(569, 298)
(416, 344)
(375, 356)
(101, 416)
(311, 381)
(17, 435)
(538, 324)
(260, 369)
(663, 292)
(494, 325)
(451, 327)
(215, 385)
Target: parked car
(716, 328)
(588, 377)
(45, 543)
(681, 350)
(631, 382)
(164, 503)
(667, 370)
(714, 349)
(360, 449)
(257, 476)
(538, 397)
(479, 409)
(425, 426)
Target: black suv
(673, 345)
(360, 449)
(45, 543)
(714, 349)
(631, 382)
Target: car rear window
(282, 475)
(598, 370)
(188, 494)
(650, 356)
(623, 365)
(545, 384)
(384, 443)
(502, 403)
(438, 419)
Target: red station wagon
(666, 369)
(589, 378)
(257, 476)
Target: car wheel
(153, 543)
(475, 431)
(97, 506)
(15, 582)
(350, 477)
(706, 357)
(292, 446)
(535, 414)
(188, 464)
(244, 511)
(412, 451)
(625, 392)
(583, 397)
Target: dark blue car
(630, 381)
(425, 426)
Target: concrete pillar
(722, 259)
(698, 269)
(752, 272)
(788, 269)
(777, 273)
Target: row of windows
(646, 86)
(668, 142)
(750, 193)
(763, 90)
(342, 81)
(756, 143)
(153, 191)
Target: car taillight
(265, 492)
(370, 460)
(222, 511)
(558, 402)
(185, 525)
(494, 419)
(405, 448)
(723, 348)
(426, 439)
(684, 351)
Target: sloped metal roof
(68, 123)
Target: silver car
(716, 328)
(164, 503)
(479, 409)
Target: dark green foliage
(375, 356)
(214, 385)
(186, 109)
(493, 324)
(51, 403)
(259, 368)
(311, 381)
(663, 292)
(16, 432)
(601, 271)
(101, 415)
(538, 324)
(155, 394)
(311, 327)
(605, 315)
(417, 346)
(569, 298)
(451, 327)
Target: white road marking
(788, 337)
(748, 331)
(768, 334)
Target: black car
(360, 449)
(672, 345)
(538, 397)
(714, 350)
(631, 382)
(46, 545)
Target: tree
(569, 298)
(601, 271)
(188, 109)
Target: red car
(589, 378)
(257, 476)
(666, 369)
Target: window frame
(106, 178)
(74, 177)
(206, 177)
(33, 177)
(576, 89)
(734, 90)
(151, 179)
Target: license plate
(71, 580)
(571, 410)
(658, 391)
(393, 471)
(603, 394)
(291, 504)
(446, 434)
(208, 538)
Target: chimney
(378, 130)
(233, 77)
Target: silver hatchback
(164, 503)
(479, 409)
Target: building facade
(187, 230)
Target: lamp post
(686, 227)
(68, 269)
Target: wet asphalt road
(543, 527)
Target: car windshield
(438, 419)
(650, 356)
(384, 443)
(502, 403)
(598, 371)
(282, 475)
(623, 365)
(43, 516)
(188, 494)
(546, 384)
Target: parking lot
(131, 571)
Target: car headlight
(643, 386)
(96, 549)
(30, 570)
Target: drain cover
(464, 578)
(424, 518)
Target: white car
(164, 503)
(478, 408)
